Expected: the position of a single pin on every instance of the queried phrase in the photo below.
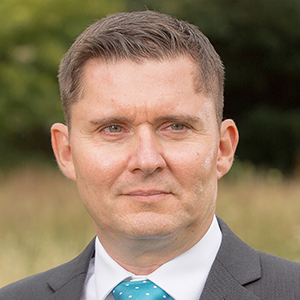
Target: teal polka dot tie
(139, 290)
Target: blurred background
(42, 222)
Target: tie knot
(139, 290)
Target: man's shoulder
(278, 267)
(42, 286)
(33, 287)
(262, 274)
(279, 277)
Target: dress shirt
(182, 278)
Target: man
(144, 139)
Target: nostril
(147, 165)
(147, 152)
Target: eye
(177, 126)
(113, 128)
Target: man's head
(146, 146)
(140, 36)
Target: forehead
(140, 76)
(147, 67)
(164, 86)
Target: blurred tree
(259, 42)
(271, 138)
(34, 36)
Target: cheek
(98, 166)
(196, 172)
(194, 164)
(96, 173)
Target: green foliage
(34, 36)
(271, 138)
(258, 40)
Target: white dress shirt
(182, 278)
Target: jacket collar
(236, 265)
(68, 280)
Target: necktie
(139, 290)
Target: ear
(62, 149)
(229, 137)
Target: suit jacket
(238, 273)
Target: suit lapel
(221, 285)
(72, 290)
(236, 265)
(68, 282)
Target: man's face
(144, 149)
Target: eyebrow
(165, 118)
(111, 120)
(180, 118)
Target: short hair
(138, 36)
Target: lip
(147, 195)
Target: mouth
(147, 195)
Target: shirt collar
(184, 275)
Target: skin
(146, 152)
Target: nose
(147, 154)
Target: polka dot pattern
(139, 290)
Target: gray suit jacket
(238, 273)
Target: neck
(142, 256)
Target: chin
(153, 228)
